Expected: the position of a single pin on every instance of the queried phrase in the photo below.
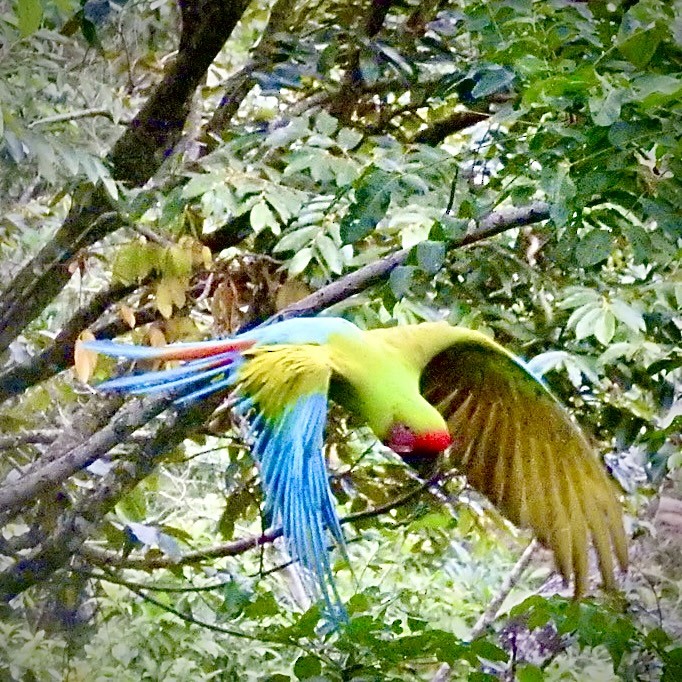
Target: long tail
(210, 366)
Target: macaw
(422, 389)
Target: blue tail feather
(148, 382)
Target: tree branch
(437, 131)
(135, 157)
(130, 417)
(151, 136)
(513, 577)
(355, 282)
(36, 437)
(346, 98)
(17, 378)
(238, 86)
(74, 526)
(104, 558)
(72, 116)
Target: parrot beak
(422, 452)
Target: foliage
(324, 138)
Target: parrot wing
(282, 390)
(518, 445)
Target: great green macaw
(422, 389)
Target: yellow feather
(518, 445)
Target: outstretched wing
(283, 392)
(519, 446)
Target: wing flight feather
(518, 445)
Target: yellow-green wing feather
(519, 446)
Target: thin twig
(72, 116)
(513, 577)
(104, 558)
(39, 436)
(152, 236)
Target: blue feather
(289, 448)
(170, 378)
(297, 491)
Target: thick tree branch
(435, 133)
(206, 25)
(149, 138)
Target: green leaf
(492, 80)
(198, 185)
(586, 325)
(430, 256)
(325, 123)
(605, 108)
(135, 260)
(372, 197)
(654, 90)
(29, 15)
(348, 139)
(307, 666)
(529, 673)
(264, 605)
(234, 599)
(262, 217)
(449, 228)
(672, 668)
(369, 66)
(581, 311)
(628, 315)
(297, 239)
(236, 505)
(133, 506)
(638, 38)
(305, 625)
(624, 133)
(578, 297)
(593, 248)
(605, 327)
(330, 253)
(640, 241)
(300, 261)
(401, 279)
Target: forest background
(169, 172)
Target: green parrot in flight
(423, 390)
